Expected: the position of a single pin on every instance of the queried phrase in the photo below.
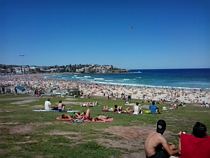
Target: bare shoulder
(161, 138)
(152, 134)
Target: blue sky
(124, 33)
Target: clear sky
(124, 33)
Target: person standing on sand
(156, 146)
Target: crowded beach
(38, 84)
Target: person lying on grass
(65, 117)
(102, 118)
(85, 117)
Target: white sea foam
(98, 78)
(126, 79)
(135, 72)
(87, 76)
(109, 80)
(78, 77)
(142, 85)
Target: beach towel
(193, 147)
(147, 111)
(78, 121)
(72, 111)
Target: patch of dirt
(9, 123)
(24, 101)
(139, 154)
(3, 151)
(26, 128)
(18, 98)
(63, 133)
(129, 133)
(2, 110)
(22, 129)
(73, 136)
(28, 142)
(128, 139)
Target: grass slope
(24, 133)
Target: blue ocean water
(177, 78)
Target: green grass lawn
(24, 133)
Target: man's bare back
(152, 141)
(156, 145)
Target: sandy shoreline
(38, 81)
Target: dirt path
(24, 101)
(130, 140)
(18, 98)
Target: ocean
(167, 78)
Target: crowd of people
(136, 109)
(38, 84)
(84, 117)
(78, 117)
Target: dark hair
(48, 99)
(161, 126)
(153, 102)
(137, 103)
(60, 101)
(199, 130)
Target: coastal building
(88, 68)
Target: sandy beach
(51, 86)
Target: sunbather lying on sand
(102, 118)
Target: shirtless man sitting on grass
(156, 146)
